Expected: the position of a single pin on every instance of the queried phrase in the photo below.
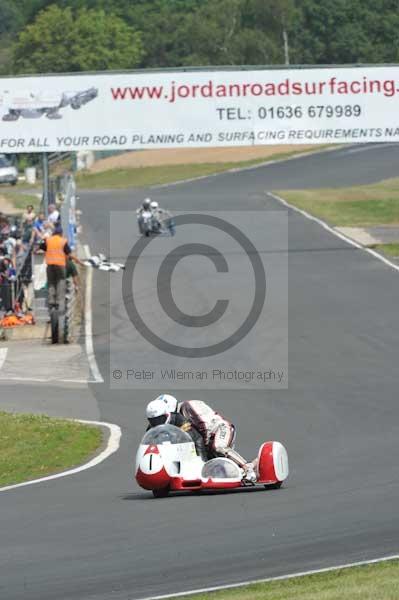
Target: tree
(163, 24)
(75, 35)
(274, 20)
(226, 33)
(11, 17)
(60, 40)
(347, 31)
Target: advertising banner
(116, 111)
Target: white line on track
(356, 150)
(112, 446)
(270, 579)
(95, 371)
(365, 149)
(3, 356)
(334, 232)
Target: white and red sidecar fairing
(167, 461)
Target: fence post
(68, 210)
(45, 183)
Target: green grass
(363, 205)
(146, 176)
(34, 446)
(388, 249)
(369, 582)
(20, 200)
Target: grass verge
(363, 205)
(370, 582)
(388, 249)
(33, 446)
(20, 201)
(145, 176)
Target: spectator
(53, 214)
(56, 249)
(4, 226)
(27, 233)
(29, 215)
(7, 269)
(9, 245)
(5, 266)
(38, 229)
(39, 222)
(24, 270)
(7, 279)
(48, 230)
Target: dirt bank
(151, 158)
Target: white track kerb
(112, 446)
(95, 371)
(3, 356)
(232, 586)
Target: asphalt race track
(97, 536)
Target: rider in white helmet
(145, 206)
(158, 214)
(163, 410)
(144, 212)
(160, 410)
(218, 433)
(162, 217)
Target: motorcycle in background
(160, 224)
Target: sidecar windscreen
(165, 434)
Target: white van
(8, 173)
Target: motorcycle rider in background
(143, 213)
(151, 218)
(218, 433)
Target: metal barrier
(67, 189)
(51, 183)
(70, 306)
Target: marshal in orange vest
(55, 254)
